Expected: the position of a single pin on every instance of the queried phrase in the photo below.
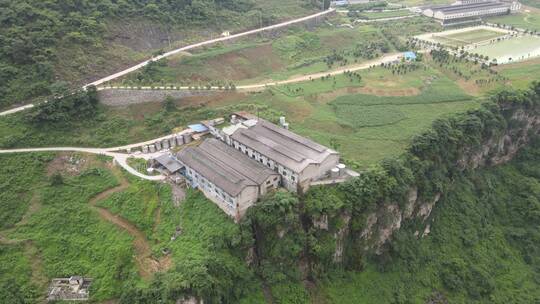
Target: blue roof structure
(199, 128)
(409, 56)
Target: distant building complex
(469, 10)
(250, 157)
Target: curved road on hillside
(255, 87)
(186, 48)
(120, 158)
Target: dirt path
(259, 86)
(146, 264)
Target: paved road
(120, 158)
(186, 48)
(258, 86)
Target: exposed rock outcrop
(495, 150)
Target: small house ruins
(75, 288)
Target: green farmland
(386, 14)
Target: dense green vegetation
(37, 38)
(138, 204)
(207, 257)
(484, 218)
(15, 282)
(14, 193)
(69, 235)
(482, 248)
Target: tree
(57, 179)
(169, 104)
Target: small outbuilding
(168, 163)
(409, 56)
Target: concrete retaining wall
(124, 97)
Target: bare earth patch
(67, 163)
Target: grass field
(467, 37)
(521, 74)
(391, 108)
(475, 36)
(515, 49)
(529, 21)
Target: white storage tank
(165, 144)
(179, 140)
(341, 168)
(334, 172)
(144, 149)
(158, 145)
(187, 138)
(172, 142)
(152, 148)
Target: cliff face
(340, 226)
(521, 124)
(496, 149)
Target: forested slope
(44, 42)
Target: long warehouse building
(457, 13)
(298, 160)
(226, 176)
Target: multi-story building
(297, 159)
(228, 178)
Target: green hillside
(47, 42)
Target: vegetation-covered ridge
(44, 42)
(287, 240)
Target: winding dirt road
(146, 264)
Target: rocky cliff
(486, 137)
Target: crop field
(510, 50)
(386, 14)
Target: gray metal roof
(168, 162)
(283, 146)
(224, 166)
(463, 8)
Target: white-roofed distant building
(467, 10)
